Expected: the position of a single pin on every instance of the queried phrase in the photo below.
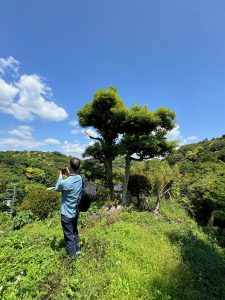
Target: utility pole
(11, 199)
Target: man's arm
(59, 183)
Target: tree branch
(94, 138)
(162, 192)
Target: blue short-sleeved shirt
(71, 189)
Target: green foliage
(35, 174)
(22, 218)
(143, 132)
(203, 182)
(102, 192)
(92, 169)
(128, 255)
(204, 151)
(5, 222)
(152, 178)
(27, 263)
(105, 113)
(32, 186)
(41, 202)
(27, 169)
(139, 184)
(204, 185)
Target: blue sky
(55, 54)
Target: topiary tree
(41, 202)
(145, 137)
(106, 113)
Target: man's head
(74, 164)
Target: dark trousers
(70, 231)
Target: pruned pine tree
(107, 114)
(145, 137)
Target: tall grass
(129, 255)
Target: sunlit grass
(128, 255)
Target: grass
(129, 255)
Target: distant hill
(205, 151)
(29, 169)
(36, 169)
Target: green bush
(22, 218)
(139, 188)
(139, 184)
(42, 203)
(5, 222)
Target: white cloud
(51, 141)
(192, 138)
(120, 136)
(175, 135)
(9, 63)
(24, 140)
(89, 132)
(24, 132)
(91, 143)
(18, 144)
(74, 149)
(25, 144)
(75, 131)
(28, 97)
(7, 93)
(74, 123)
(76, 128)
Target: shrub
(139, 188)
(22, 218)
(42, 203)
(102, 191)
(5, 222)
(138, 184)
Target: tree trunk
(109, 177)
(126, 180)
(211, 220)
(157, 208)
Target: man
(71, 190)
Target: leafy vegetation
(142, 132)
(30, 170)
(203, 182)
(125, 255)
(130, 253)
(22, 218)
(42, 203)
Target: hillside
(34, 169)
(202, 167)
(125, 255)
(205, 151)
(29, 169)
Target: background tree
(152, 181)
